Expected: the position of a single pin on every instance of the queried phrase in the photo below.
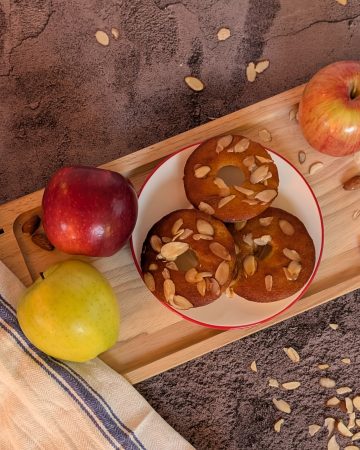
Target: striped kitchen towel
(49, 404)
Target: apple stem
(353, 91)
(42, 275)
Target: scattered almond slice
(351, 423)
(315, 167)
(356, 436)
(323, 366)
(282, 405)
(327, 383)
(149, 281)
(291, 385)
(265, 135)
(262, 65)
(206, 208)
(346, 361)
(194, 83)
(115, 33)
(292, 354)
(253, 366)
(301, 157)
(313, 429)
(292, 113)
(343, 429)
(357, 421)
(223, 34)
(333, 401)
(351, 447)
(333, 326)
(343, 390)
(329, 422)
(180, 302)
(332, 444)
(273, 383)
(356, 402)
(278, 425)
(251, 72)
(102, 38)
(342, 2)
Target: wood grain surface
(152, 339)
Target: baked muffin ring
(276, 256)
(212, 249)
(209, 193)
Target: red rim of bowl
(252, 324)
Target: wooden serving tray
(152, 338)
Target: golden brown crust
(253, 287)
(200, 174)
(208, 262)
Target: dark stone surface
(65, 99)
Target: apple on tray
(70, 312)
(329, 111)
(89, 211)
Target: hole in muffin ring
(231, 175)
(186, 261)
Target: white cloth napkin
(49, 404)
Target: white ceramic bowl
(163, 192)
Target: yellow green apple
(70, 312)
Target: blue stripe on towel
(89, 403)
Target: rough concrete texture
(65, 99)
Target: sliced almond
(282, 405)
(259, 174)
(249, 161)
(323, 366)
(332, 444)
(346, 361)
(263, 240)
(244, 191)
(250, 202)
(156, 243)
(223, 34)
(343, 429)
(205, 237)
(222, 273)
(180, 302)
(212, 286)
(333, 326)
(194, 83)
(237, 249)
(267, 195)
(177, 225)
(286, 227)
(315, 167)
(329, 423)
(253, 366)
(342, 2)
(292, 354)
(153, 267)
(250, 72)
(206, 208)
(292, 254)
(169, 290)
(273, 382)
(265, 135)
(166, 239)
(220, 251)
(202, 275)
(191, 275)
(202, 171)
(301, 157)
(178, 234)
(204, 227)
(229, 292)
(223, 142)
(327, 383)
(293, 270)
(220, 183)
(201, 287)
(240, 225)
(278, 425)
(250, 265)
(172, 250)
(356, 402)
(343, 390)
(356, 436)
(187, 233)
(349, 405)
(115, 33)
(351, 447)
(102, 38)
(248, 239)
(265, 221)
(149, 281)
(263, 160)
(351, 424)
(166, 274)
(242, 145)
(262, 65)
(291, 385)
(225, 200)
(313, 429)
(333, 401)
(268, 283)
(172, 265)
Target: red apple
(329, 112)
(89, 211)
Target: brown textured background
(65, 99)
